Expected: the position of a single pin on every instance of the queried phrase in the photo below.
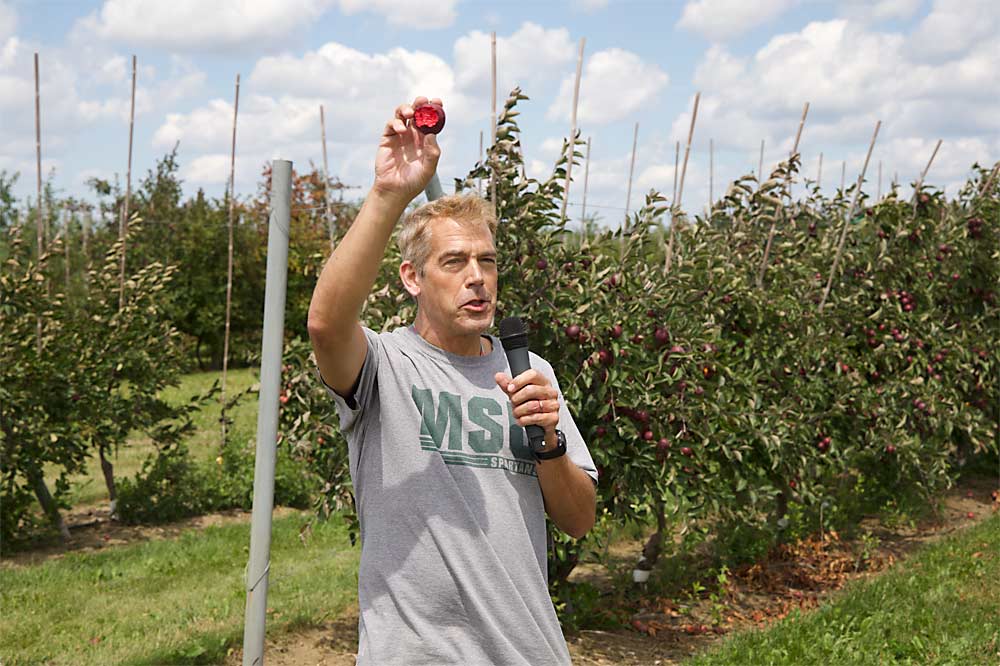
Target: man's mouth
(476, 305)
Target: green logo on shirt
(441, 430)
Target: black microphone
(514, 338)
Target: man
(450, 498)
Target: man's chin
(478, 322)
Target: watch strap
(560, 449)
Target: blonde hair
(414, 238)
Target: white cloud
(852, 76)
(951, 26)
(209, 169)
(591, 5)
(352, 79)
(873, 11)
(615, 84)
(114, 70)
(359, 92)
(418, 14)
(8, 21)
(84, 89)
(530, 58)
(719, 20)
(656, 176)
(196, 25)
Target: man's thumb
(431, 147)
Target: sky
(926, 68)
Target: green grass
(88, 488)
(942, 606)
(176, 601)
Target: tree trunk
(654, 545)
(109, 479)
(48, 504)
(781, 506)
(197, 354)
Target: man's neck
(466, 345)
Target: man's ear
(411, 279)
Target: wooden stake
(780, 211)
(795, 149)
(677, 167)
(989, 181)
(65, 232)
(85, 222)
(847, 220)
(631, 170)
(923, 174)
(38, 160)
(229, 263)
(123, 223)
(326, 170)
(711, 173)
(878, 191)
(586, 178)
(479, 181)
(676, 207)
(38, 202)
(572, 131)
(493, 73)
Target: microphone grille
(511, 326)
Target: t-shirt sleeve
(576, 447)
(353, 408)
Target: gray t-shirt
(453, 541)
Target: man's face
(458, 290)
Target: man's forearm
(570, 496)
(351, 271)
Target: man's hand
(406, 158)
(535, 400)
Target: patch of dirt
(667, 631)
(334, 643)
(92, 529)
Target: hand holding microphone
(535, 400)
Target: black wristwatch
(556, 452)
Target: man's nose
(475, 273)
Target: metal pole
(819, 173)
(433, 190)
(760, 163)
(267, 413)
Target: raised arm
(404, 163)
